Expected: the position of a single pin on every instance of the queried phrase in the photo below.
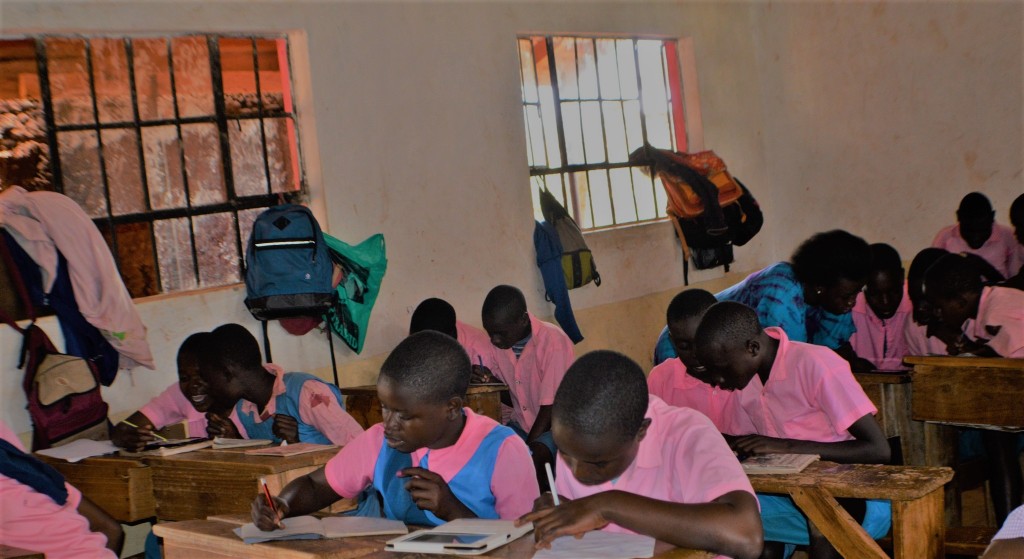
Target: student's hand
(264, 517)
(756, 444)
(861, 365)
(286, 428)
(219, 426)
(430, 492)
(571, 518)
(481, 375)
(130, 438)
(546, 501)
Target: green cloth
(364, 266)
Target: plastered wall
(412, 127)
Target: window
(172, 144)
(587, 103)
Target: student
(811, 296)
(273, 404)
(432, 459)
(630, 463)
(39, 511)
(882, 311)
(924, 335)
(976, 232)
(531, 357)
(670, 380)
(801, 399)
(1017, 220)
(188, 400)
(437, 314)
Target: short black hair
(1017, 211)
(194, 347)
(431, 366)
(951, 275)
(689, 304)
(504, 303)
(604, 393)
(434, 314)
(236, 348)
(827, 257)
(729, 324)
(974, 206)
(918, 267)
(884, 258)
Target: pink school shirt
(317, 407)
(513, 483)
(670, 382)
(811, 394)
(682, 459)
(920, 343)
(476, 343)
(1000, 320)
(881, 341)
(534, 377)
(171, 407)
(33, 521)
(1001, 250)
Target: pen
(157, 435)
(270, 500)
(551, 482)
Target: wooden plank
(121, 486)
(969, 395)
(968, 540)
(362, 403)
(918, 528)
(843, 532)
(861, 481)
(955, 361)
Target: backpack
(577, 260)
(287, 266)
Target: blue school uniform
(287, 404)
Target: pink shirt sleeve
(556, 357)
(658, 382)
(168, 408)
(351, 470)
(839, 395)
(704, 459)
(1001, 321)
(319, 407)
(514, 482)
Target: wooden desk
(8, 552)
(214, 539)
(890, 392)
(121, 486)
(916, 495)
(362, 403)
(981, 392)
(208, 482)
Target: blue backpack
(287, 266)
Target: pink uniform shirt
(682, 459)
(317, 407)
(171, 407)
(33, 521)
(670, 382)
(476, 343)
(1001, 250)
(920, 343)
(1000, 320)
(881, 341)
(513, 483)
(811, 395)
(534, 377)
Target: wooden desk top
(371, 389)
(216, 536)
(206, 459)
(862, 481)
(956, 361)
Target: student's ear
(640, 434)
(753, 347)
(454, 408)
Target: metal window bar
(557, 102)
(181, 158)
(99, 145)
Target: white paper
(81, 449)
(346, 526)
(599, 545)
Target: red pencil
(270, 500)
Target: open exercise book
(222, 443)
(169, 447)
(288, 449)
(778, 463)
(312, 528)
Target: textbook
(777, 463)
(464, 536)
(169, 447)
(221, 443)
(312, 528)
(288, 449)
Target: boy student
(188, 400)
(977, 232)
(801, 399)
(670, 380)
(531, 357)
(629, 462)
(882, 311)
(438, 314)
(273, 404)
(1017, 220)
(431, 459)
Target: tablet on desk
(460, 537)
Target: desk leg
(842, 531)
(918, 530)
(940, 450)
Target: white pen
(551, 482)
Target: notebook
(312, 528)
(221, 443)
(169, 447)
(288, 449)
(464, 536)
(777, 463)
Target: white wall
(419, 133)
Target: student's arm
(321, 408)
(729, 525)
(541, 425)
(304, 495)
(100, 521)
(132, 438)
(857, 363)
(285, 428)
(869, 445)
(218, 425)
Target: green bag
(363, 268)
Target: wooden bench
(362, 403)
(915, 492)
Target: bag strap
(266, 343)
(334, 361)
(682, 243)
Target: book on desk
(777, 463)
(168, 447)
(311, 528)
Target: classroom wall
(412, 128)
